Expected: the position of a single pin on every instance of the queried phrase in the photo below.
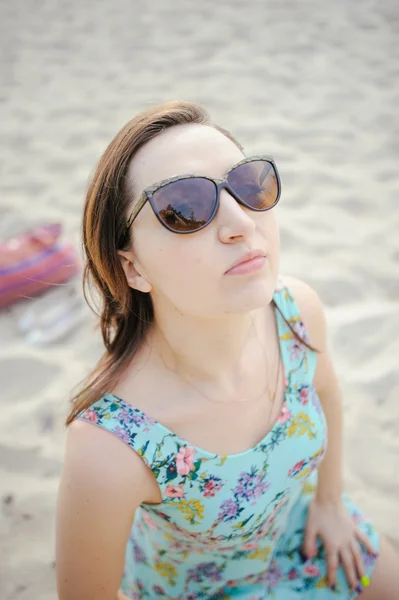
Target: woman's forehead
(181, 150)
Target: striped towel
(33, 262)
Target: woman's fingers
(332, 566)
(348, 562)
(363, 538)
(358, 558)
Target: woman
(216, 386)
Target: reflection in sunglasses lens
(255, 183)
(186, 204)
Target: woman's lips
(252, 265)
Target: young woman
(208, 474)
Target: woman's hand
(340, 536)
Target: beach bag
(35, 261)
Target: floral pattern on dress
(232, 525)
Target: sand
(313, 83)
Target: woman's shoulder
(91, 455)
(95, 452)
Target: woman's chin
(251, 297)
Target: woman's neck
(218, 352)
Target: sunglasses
(188, 203)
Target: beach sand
(315, 84)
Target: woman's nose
(234, 221)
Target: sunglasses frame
(219, 184)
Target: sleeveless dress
(233, 526)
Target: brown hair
(126, 314)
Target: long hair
(125, 314)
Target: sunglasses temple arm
(136, 210)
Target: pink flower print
(209, 489)
(261, 533)
(293, 574)
(304, 396)
(296, 468)
(232, 584)
(270, 520)
(250, 546)
(285, 414)
(174, 491)
(163, 516)
(312, 570)
(286, 382)
(185, 460)
(212, 486)
(91, 415)
(148, 521)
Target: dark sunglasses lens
(185, 205)
(256, 184)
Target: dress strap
(161, 450)
(299, 360)
(129, 424)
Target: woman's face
(188, 272)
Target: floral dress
(232, 526)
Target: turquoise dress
(232, 526)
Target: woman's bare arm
(330, 476)
(102, 484)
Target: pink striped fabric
(33, 262)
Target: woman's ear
(134, 278)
